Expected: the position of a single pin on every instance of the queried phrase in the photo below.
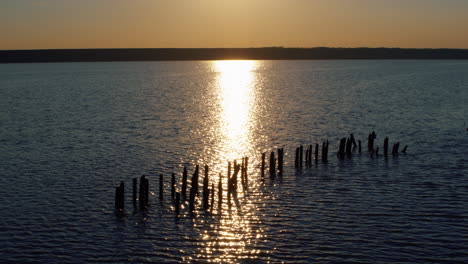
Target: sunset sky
(58, 24)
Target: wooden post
(205, 189)
(195, 180)
(194, 188)
(296, 159)
(177, 203)
(301, 150)
(229, 170)
(396, 146)
(246, 173)
(324, 152)
(120, 199)
(141, 197)
(359, 145)
(280, 161)
(220, 192)
(349, 145)
(310, 155)
(212, 193)
(316, 152)
(135, 187)
(243, 175)
(404, 149)
(161, 187)
(272, 165)
(341, 148)
(234, 180)
(263, 166)
(184, 184)
(234, 177)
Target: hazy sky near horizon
(51, 24)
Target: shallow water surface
(72, 131)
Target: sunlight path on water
(235, 231)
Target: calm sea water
(70, 132)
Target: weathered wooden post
(349, 145)
(341, 148)
(246, 175)
(194, 189)
(234, 178)
(280, 161)
(195, 179)
(370, 142)
(272, 165)
(212, 193)
(301, 150)
(141, 197)
(184, 184)
(359, 145)
(244, 180)
(135, 187)
(316, 152)
(205, 189)
(396, 146)
(120, 199)
(327, 144)
(161, 187)
(192, 199)
(296, 159)
(404, 149)
(324, 152)
(310, 155)
(243, 175)
(173, 186)
(385, 147)
(229, 169)
(220, 192)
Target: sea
(72, 132)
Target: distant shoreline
(194, 54)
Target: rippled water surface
(70, 132)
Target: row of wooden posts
(239, 171)
(346, 147)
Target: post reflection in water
(235, 232)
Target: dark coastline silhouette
(268, 53)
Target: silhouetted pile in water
(347, 146)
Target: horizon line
(263, 47)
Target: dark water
(71, 132)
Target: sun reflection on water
(235, 232)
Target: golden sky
(50, 24)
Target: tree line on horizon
(265, 53)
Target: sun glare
(236, 93)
